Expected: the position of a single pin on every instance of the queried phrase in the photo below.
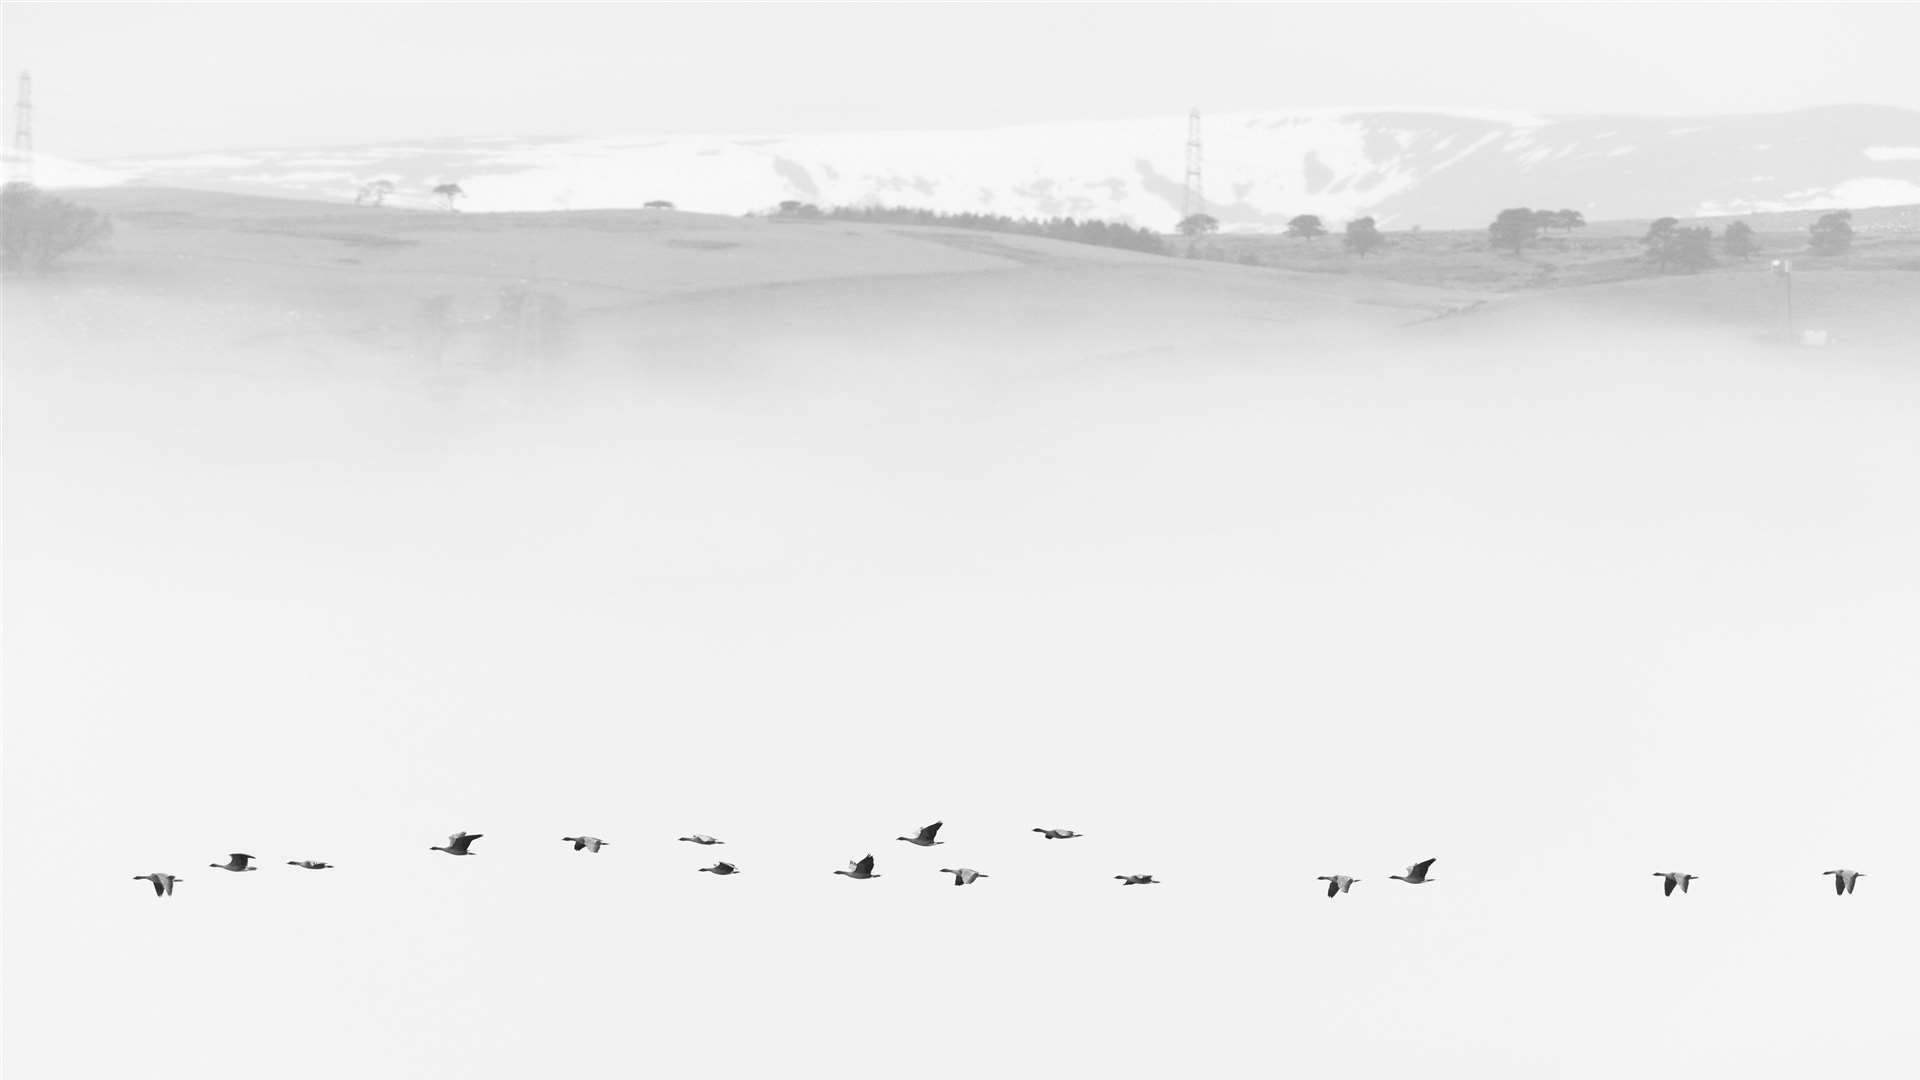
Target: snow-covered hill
(1435, 169)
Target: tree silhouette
(447, 193)
(1198, 225)
(1740, 240)
(1691, 249)
(374, 193)
(659, 204)
(1669, 245)
(1659, 240)
(1306, 227)
(1362, 236)
(1566, 221)
(1832, 234)
(1514, 228)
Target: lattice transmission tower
(1194, 202)
(23, 131)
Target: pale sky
(118, 79)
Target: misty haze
(1235, 500)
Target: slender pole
(1784, 267)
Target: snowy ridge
(1431, 168)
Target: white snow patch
(57, 172)
(308, 177)
(198, 161)
(1893, 153)
(1860, 192)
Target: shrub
(1514, 228)
(36, 229)
(1362, 236)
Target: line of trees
(1670, 245)
(1518, 226)
(1077, 230)
(374, 193)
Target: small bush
(36, 229)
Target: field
(263, 281)
(1604, 252)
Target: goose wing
(159, 887)
(864, 867)
(1667, 888)
(461, 840)
(927, 834)
(1333, 887)
(1839, 883)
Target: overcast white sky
(113, 79)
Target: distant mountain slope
(1434, 169)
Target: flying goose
(1057, 834)
(458, 843)
(696, 838)
(162, 883)
(1843, 880)
(861, 870)
(1417, 873)
(722, 869)
(236, 862)
(1135, 879)
(925, 839)
(590, 843)
(309, 864)
(1337, 883)
(1674, 877)
(964, 876)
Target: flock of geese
(461, 843)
